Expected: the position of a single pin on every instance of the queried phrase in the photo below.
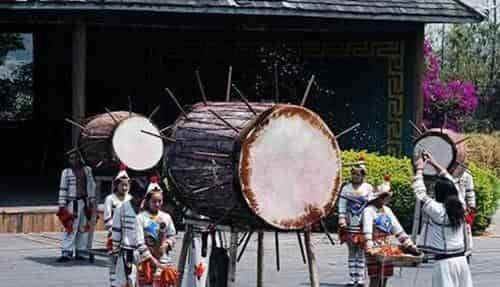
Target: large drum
(115, 137)
(273, 166)
(446, 146)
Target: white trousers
(356, 262)
(195, 259)
(118, 275)
(452, 272)
(76, 240)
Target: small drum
(115, 137)
(445, 146)
(273, 166)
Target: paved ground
(28, 260)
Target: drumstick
(177, 103)
(424, 126)
(129, 106)
(229, 76)
(154, 112)
(158, 136)
(243, 99)
(348, 130)
(111, 115)
(306, 93)
(415, 127)
(462, 140)
(276, 86)
(223, 120)
(200, 85)
(75, 124)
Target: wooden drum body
(115, 137)
(274, 166)
(446, 146)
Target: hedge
(487, 186)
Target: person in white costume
(444, 234)
(199, 255)
(76, 202)
(128, 246)
(119, 194)
(159, 232)
(353, 199)
(379, 225)
(468, 198)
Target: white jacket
(436, 235)
(127, 233)
(111, 202)
(363, 192)
(67, 187)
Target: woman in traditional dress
(159, 232)
(128, 246)
(444, 234)
(120, 194)
(353, 198)
(379, 224)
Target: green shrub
(487, 186)
(484, 151)
(400, 169)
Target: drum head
(440, 146)
(290, 168)
(137, 150)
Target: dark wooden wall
(141, 62)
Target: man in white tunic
(76, 204)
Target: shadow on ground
(325, 284)
(51, 261)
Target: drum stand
(192, 224)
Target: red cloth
(66, 219)
(169, 277)
(470, 217)
(145, 273)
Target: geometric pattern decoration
(393, 52)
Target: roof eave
(118, 7)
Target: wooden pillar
(233, 252)
(79, 58)
(311, 259)
(419, 74)
(419, 107)
(260, 259)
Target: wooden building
(367, 57)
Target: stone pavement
(29, 260)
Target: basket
(404, 260)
